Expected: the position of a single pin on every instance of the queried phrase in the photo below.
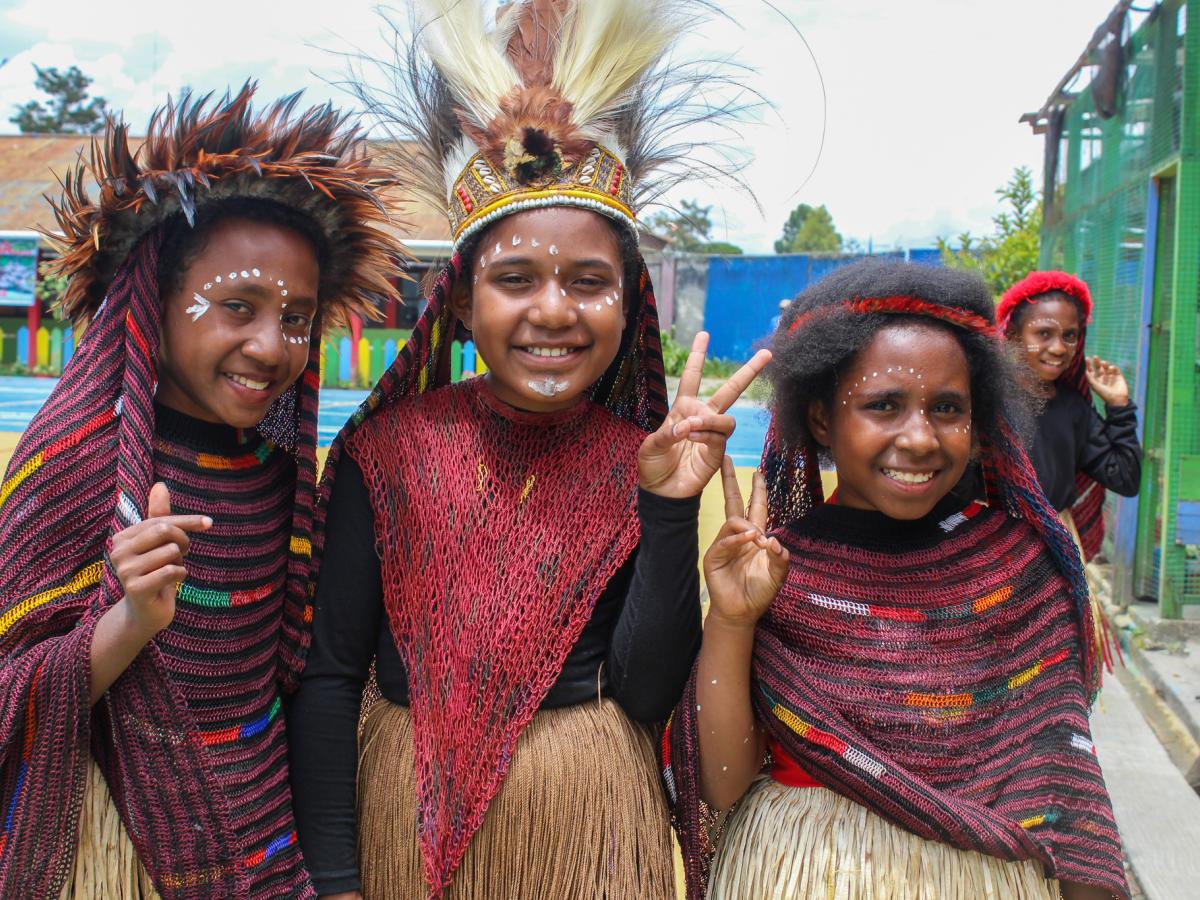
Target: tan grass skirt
(106, 863)
(581, 814)
(813, 844)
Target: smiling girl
(893, 687)
(1077, 454)
(157, 514)
(517, 554)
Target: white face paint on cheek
(516, 241)
(198, 308)
(553, 250)
(548, 387)
(534, 242)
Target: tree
(1011, 252)
(809, 230)
(68, 110)
(689, 229)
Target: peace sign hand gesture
(743, 568)
(681, 457)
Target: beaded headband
(903, 305)
(483, 193)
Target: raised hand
(1107, 381)
(681, 457)
(148, 560)
(744, 568)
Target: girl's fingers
(734, 508)
(153, 582)
(727, 393)
(758, 501)
(693, 369)
(144, 563)
(152, 534)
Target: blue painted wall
(743, 293)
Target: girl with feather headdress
(156, 518)
(515, 554)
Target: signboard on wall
(18, 267)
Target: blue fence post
(344, 360)
(23, 347)
(389, 354)
(468, 359)
(68, 348)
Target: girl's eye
(881, 405)
(296, 320)
(947, 409)
(241, 307)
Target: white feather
(456, 160)
(608, 46)
(455, 35)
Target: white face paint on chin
(548, 387)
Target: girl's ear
(460, 298)
(818, 422)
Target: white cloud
(923, 96)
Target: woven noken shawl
(498, 532)
(945, 687)
(1088, 508)
(84, 469)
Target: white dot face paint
(257, 273)
(496, 251)
(534, 242)
(245, 274)
(548, 387)
(556, 270)
(608, 300)
(283, 293)
(516, 240)
(198, 308)
(563, 291)
(208, 287)
(553, 250)
(233, 276)
(217, 279)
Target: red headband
(1034, 285)
(904, 305)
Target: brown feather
(534, 39)
(195, 151)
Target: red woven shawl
(502, 530)
(82, 470)
(940, 687)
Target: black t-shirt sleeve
(1109, 450)
(323, 715)
(657, 635)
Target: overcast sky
(923, 96)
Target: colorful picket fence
(51, 350)
(349, 364)
(344, 363)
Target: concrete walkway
(1157, 812)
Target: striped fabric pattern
(968, 728)
(82, 470)
(222, 655)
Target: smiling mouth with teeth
(909, 477)
(248, 382)
(550, 351)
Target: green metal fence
(1123, 212)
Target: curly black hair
(1022, 310)
(182, 243)
(809, 361)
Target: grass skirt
(580, 815)
(106, 863)
(813, 844)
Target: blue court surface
(21, 397)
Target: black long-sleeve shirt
(638, 646)
(1071, 437)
